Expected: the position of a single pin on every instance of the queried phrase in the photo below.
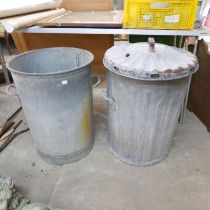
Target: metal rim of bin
(54, 74)
(155, 76)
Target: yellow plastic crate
(160, 14)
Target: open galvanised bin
(147, 84)
(55, 89)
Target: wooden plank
(77, 5)
(19, 42)
(103, 19)
(97, 44)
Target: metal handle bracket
(111, 100)
(11, 93)
(98, 81)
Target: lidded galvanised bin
(147, 84)
(54, 87)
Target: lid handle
(151, 42)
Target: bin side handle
(98, 80)
(104, 94)
(9, 92)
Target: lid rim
(163, 76)
(166, 63)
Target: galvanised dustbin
(54, 87)
(147, 84)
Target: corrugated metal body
(143, 117)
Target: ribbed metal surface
(150, 61)
(143, 117)
(56, 95)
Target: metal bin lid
(150, 61)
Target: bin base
(139, 163)
(61, 160)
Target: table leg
(175, 40)
(5, 72)
(180, 41)
(184, 107)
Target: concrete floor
(102, 182)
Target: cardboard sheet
(13, 24)
(17, 7)
(2, 29)
(86, 19)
